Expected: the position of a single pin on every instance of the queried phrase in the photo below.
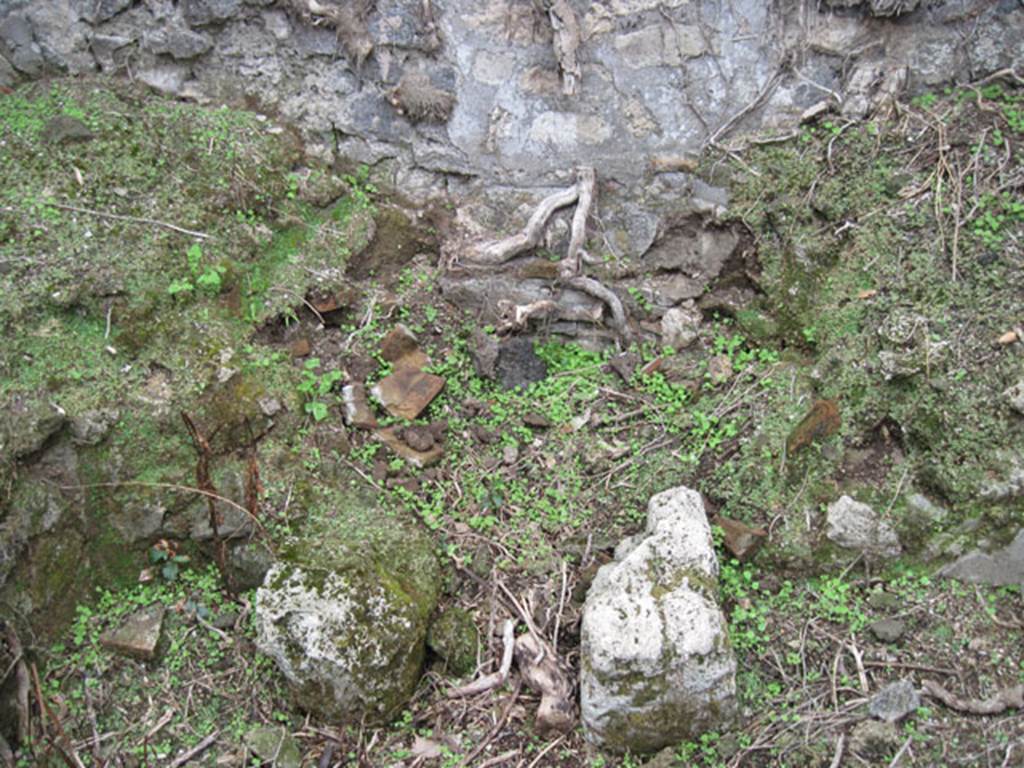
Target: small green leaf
(180, 286)
(317, 410)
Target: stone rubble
(857, 526)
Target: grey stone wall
(659, 77)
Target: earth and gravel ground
(888, 272)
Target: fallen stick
(1008, 698)
(196, 751)
(495, 679)
(22, 686)
(59, 739)
(132, 219)
(497, 728)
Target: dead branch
(767, 90)
(60, 738)
(22, 685)
(195, 752)
(173, 487)
(495, 730)
(540, 670)
(566, 44)
(495, 679)
(132, 219)
(1008, 73)
(1008, 698)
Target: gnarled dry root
(566, 44)
(571, 264)
(495, 679)
(570, 268)
(592, 287)
(504, 250)
(541, 671)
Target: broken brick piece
(407, 392)
(821, 421)
(741, 540)
(401, 349)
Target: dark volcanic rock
(518, 365)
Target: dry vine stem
(204, 482)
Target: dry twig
(132, 219)
(195, 752)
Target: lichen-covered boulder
(657, 666)
(344, 613)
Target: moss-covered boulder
(454, 638)
(344, 614)
(657, 666)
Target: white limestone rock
(853, 525)
(657, 666)
(680, 326)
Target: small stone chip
(401, 348)
(420, 459)
(894, 702)
(138, 635)
(888, 630)
(741, 540)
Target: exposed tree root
(505, 250)
(495, 679)
(500, 251)
(566, 44)
(585, 184)
(541, 671)
(592, 287)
